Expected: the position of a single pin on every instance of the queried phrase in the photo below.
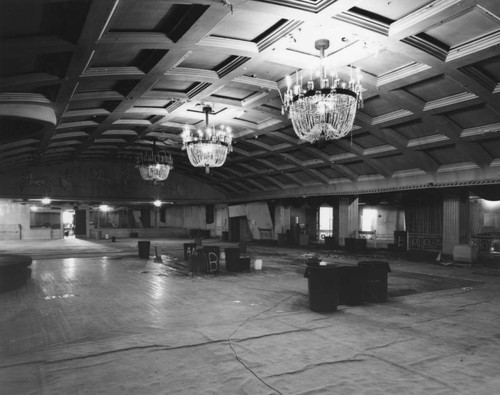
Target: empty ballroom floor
(96, 319)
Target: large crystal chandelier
(326, 112)
(154, 166)
(207, 147)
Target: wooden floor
(95, 318)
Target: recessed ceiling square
(367, 140)
(204, 60)
(140, 16)
(245, 25)
(172, 85)
(434, 88)
(234, 93)
(473, 116)
(414, 129)
(394, 10)
(384, 63)
(446, 155)
(105, 85)
(377, 106)
(464, 28)
(489, 67)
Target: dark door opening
(80, 221)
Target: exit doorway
(68, 218)
(325, 222)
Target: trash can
(232, 259)
(331, 243)
(244, 264)
(350, 286)
(144, 247)
(189, 249)
(194, 262)
(210, 257)
(243, 246)
(323, 287)
(374, 280)
(14, 271)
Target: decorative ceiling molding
(449, 101)
(480, 130)
(196, 74)
(378, 150)
(470, 48)
(259, 82)
(457, 167)
(232, 46)
(391, 116)
(126, 71)
(435, 138)
(401, 73)
(426, 13)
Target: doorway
(80, 222)
(239, 229)
(325, 223)
(68, 218)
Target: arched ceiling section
(98, 80)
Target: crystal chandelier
(326, 112)
(154, 166)
(207, 147)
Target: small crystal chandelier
(207, 147)
(154, 166)
(324, 113)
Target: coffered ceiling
(98, 80)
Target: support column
(346, 218)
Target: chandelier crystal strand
(154, 166)
(325, 112)
(207, 147)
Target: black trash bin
(232, 259)
(323, 287)
(350, 286)
(14, 271)
(331, 243)
(209, 260)
(144, 247)
(374, 278)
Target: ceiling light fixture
(207, 147)
(104, 208)
(154, 166)
(46, 201)
(326, 112)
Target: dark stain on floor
(405, 283)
